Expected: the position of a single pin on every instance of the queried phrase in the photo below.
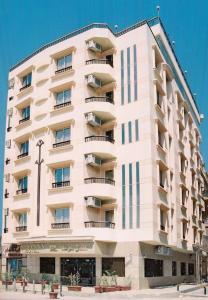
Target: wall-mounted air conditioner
(93, 160)
(162, 250)
(92, 45)
(93, 202)
(93, 120)
(93, 81)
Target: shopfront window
(153, 267)
(47, 265)
(116, 264)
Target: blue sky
(26, 25)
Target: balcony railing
(5, 230)
(25, 87)
(22, 155)
(99, 138)
(99, 61)
(9, 129)
(21, 228)
(21, 191)
(99, 180)
(24, 120)
(99, 99)
(63, 70)
(64, 104)
(60, 225)
(61, 144)
(104, 224)
(60, 184)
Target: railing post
(34, 287)
(178, 287)
(60, 288)
(205, 290)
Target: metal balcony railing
(64, 104)
(21, 191)
(99, 180)
(99, 138)
(101, 224)
(60, 184)
(99, 99)
(63, 70)
(61, 144)
(99, 61)
(25, 86)
(21, 228)
(60, 225)
(24, 120)
(22, 155)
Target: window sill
(161, 189)
(161, 231)
(63, 74)
(60, 230)
(23, 195)
(61, 109)
(25, 91)
(60, 189)
(23, 159)
(160, 148)
(62, 148)
(24, 124)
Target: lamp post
(39, 162)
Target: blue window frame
(63, 135)
(24, 147)
(123, 197)
(135, 73)
(23, 183)
(137, 195)
(122, 77)
(63, 97)
(129, 74)
(130, 131)
(123, 134)
(27, 80)
(26, 112)
(136, 130)
(130, 197)
(62, 174)
(61, 215)
(64, 62)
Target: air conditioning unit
(93, 202)
(92, 160)
(92, 45)
(7, 177)
(162, 250)
(93, 120)
(8, 143)
(93, 81)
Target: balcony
(101, 224)
(6, 195)
(99, 61)
(60, 225)
(25, 87)
(63, 70)
(99, 138)
(99, 99)
(22, 155)
(60, 184)
(21, 191)
(24, 120)
(61, 144)
(101, 180)
(5, 230)
(21, 228)
(9, 129)
(61, 105)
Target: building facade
(102, 159)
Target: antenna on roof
(116, 27)
(158, 11)
(173, 43)
(201, 117)
(185, 72)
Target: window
(47, 265)
(162, 219)
(116, 264)
(137, 195)
(26, 113)
(24, 148)
(123, 196)
(162, 178)
(23, 219)
(26, 80)
(130, 131)
(136, 130)
(123, 134)
(64, 62)
(62, 174)
(63, 97)
(153, 267)
(63, 135)
(183, 268)
(128, 74)
(6, 215)
(135, 73)
(130, 197)
(61, 215)
(190, 269)
(122, 77)
(184, 227)
(174, 268)
(22, 184)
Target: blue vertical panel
(135, 73)
(123, 134)
(130, 131)
(128, 74)
(130, 197)
(122, 77)
(137, 196)
(136, 130)
(123, 197)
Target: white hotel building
(117, 182)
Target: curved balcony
(101, 224)
(102, 188)
(99, 61)
(99, 99)
(102, 180)
(60, 225)
(102, 146)
(99, 138)
(103, 107)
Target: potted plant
(52, 294)
(55, 282)
(74, 282)
(109, 281)
(44, 279)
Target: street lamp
(39, 162)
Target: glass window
(63, 135)
(153, 267)
(22, 183)
(62, 174)
(123, 197)
(47, 265)
(27, 79)
(24, 147)
(191, 269)
(135, 73)
(61, 215)
(122, 77)
(130, 131)
(63, 97)
(123, 134)
(23, 219)
(64, 62)
(26, 112)
(137, 195)
(116, 264)
(136, 130)
(130, 197)
(174, 268)
(183, 268)
(128, 75)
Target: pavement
(187, 292)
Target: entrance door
(84, 266)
